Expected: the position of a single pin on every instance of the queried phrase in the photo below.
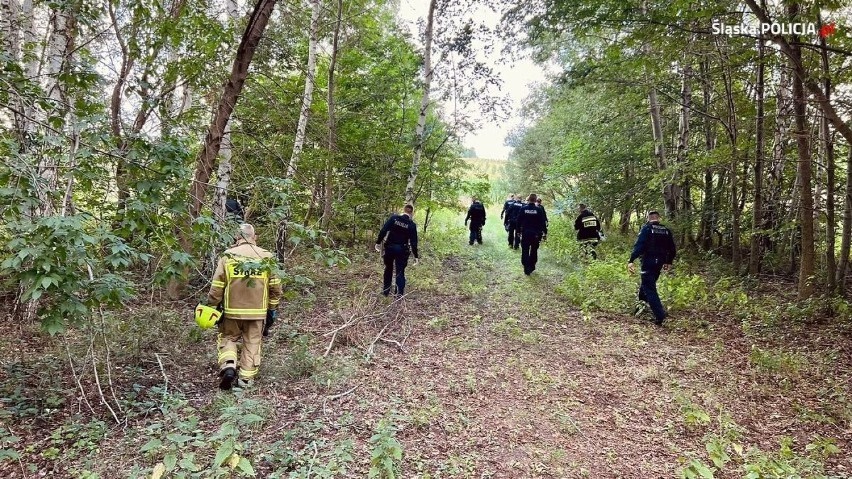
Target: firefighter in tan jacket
(250, 295)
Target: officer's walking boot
(227, 378)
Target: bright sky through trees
(518, 77)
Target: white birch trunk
(59, 45)
(223, 172)
(308, 95)
(424, 105)
(10, 28)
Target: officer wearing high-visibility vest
(249, 293)
(589, 233)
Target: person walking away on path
(504, 214)
(514, 232)
(656, 246)
(533, 227)
(546, 221)
(251, 291)
(538, 203)
(401, 233)
(234, 209)
(476, 216)
(589, 234)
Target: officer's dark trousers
(513, 235)
(650, 273)
(396, 256)
(475, 233)
(529, 251)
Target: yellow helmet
(206, 316)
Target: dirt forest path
(500, 378)
(505, 380)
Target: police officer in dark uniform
(504, 214)
(234, 208)
(476, 216)
(656, 246)
(532, 224)
(538, 203)
(588, 228)
(513, 212)
(401, 241)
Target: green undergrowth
(726, 453)
(699, 289)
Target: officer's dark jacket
(476, 214)
(507, 206)
(232, 206)
(587, 225)
(401, 231)
(655, 243)
(515, 210)
(532, 220)
(546, 221)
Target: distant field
(495, 169)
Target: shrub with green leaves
(385, 452)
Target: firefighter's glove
(271, 314)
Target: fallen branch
(373, 343)
(77, 378)
(334, 335)
(343, 394)
(395, 343)
(165, 378)
(337, 396)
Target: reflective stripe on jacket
(247, 292)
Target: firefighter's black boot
(227, 378)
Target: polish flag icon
(827, 30)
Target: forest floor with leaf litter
(480, 371)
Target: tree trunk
(774, 210)
(308, 95)
(127, 62)
(328, 191)
(828, 149)
(806, 217)
(733, 137)
(708, 212)
(682, 141)
(32, 64)
(757, 213)
(419, 132)
(17, 36)
(59, 48)
(669, 193)
(10, 28)
(627, 205)
(223, 172)
(846, 236)
(206, 159)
